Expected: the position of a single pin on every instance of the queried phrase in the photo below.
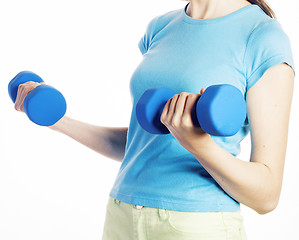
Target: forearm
(250, 183)
(108, 141)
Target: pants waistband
(138, 207)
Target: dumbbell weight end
(149, 109)
(221, 110)
(45, 105)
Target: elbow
(266, 207)
(268, 201)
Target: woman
(189, 184)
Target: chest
(186, 61)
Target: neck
(205, 9)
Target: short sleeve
(267, 46)
(145, 40)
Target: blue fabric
(186, 54)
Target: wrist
(58, 124)
(205, 147)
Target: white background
(52, 187)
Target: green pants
(132, 222)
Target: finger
(23, 91)
(180, 105)
(190, 108)
(165, 111)
(23, 94)
(172, 106)
(18, 102)
(190, 102)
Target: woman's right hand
(23, 91)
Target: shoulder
(267, 45)
(268, 30)
(159, 22)
(169, 16)
(262, 27)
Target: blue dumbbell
(44, 105)
(220, 110)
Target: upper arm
(268, 109)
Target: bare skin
(206, 9)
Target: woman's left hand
(176, 116)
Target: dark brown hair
(263, 5)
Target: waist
(163, 200)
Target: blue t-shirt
(186, 54)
